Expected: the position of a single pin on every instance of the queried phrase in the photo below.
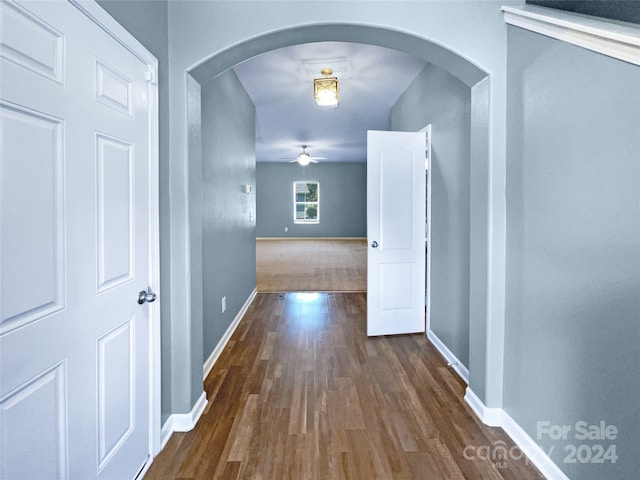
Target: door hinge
(151, 75)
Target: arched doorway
(485, 327)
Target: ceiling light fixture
(325, 90)
(304, 158)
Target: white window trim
(295, 202)
(615, 39)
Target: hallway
(300, 392)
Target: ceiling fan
(304, 158)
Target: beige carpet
(313, 265)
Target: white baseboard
(360, 239)
(532, 450)
(208, 365)
(183, 422)
(448, 355)
(497, 417)
(490, 416)
(186, 421)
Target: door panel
(396, 208)
(113, 88)
(114, 211)
(74, 342)
(395, 231)
(43, 54)
(43, 399)
(394, 293)
(32, 220)
(116, 401)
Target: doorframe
(107, 23)
(428, 164)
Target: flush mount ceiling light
(325, 90)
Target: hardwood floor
(300, 392)
(311, 265)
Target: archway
(485, 355)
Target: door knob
(374, 244)
(146, 297)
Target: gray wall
(573, 235)
(228, 232)
(189, 386)
(626, 10)
(343, 199)
(148, 22)
(438, 98)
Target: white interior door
(74, 202)
(427, 225)
(395, 232)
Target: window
(306, 202)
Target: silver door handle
(146, 297)
(374, 244)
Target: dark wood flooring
(300, 392)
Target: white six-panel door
(74, 193)
(395, 231)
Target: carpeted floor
(313, 265)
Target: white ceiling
(280, 84)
